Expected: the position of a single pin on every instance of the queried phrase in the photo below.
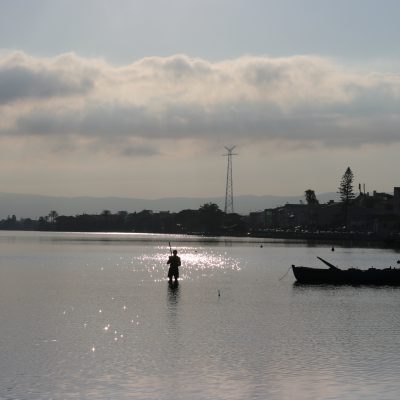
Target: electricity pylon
(229, 181)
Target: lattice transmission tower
(229, 181)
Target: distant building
(378, 213)
(257, 220)
(303, 216)
(396, 200)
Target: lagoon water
(91, 316)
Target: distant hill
(34, 206)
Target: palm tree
(53, 216)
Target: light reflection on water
(198, 262)
(97, 320)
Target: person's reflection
(173, 310)
(173, 295)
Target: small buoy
(219, 293)
(333, 249)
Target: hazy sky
(139, 98)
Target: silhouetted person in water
(174, 263)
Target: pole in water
(170, 249)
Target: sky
(134, 98)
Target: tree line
(208, 219)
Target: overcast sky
(138, 98)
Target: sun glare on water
(197, 262)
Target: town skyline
(138, 99)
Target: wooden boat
(350, 276)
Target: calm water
(92, 317)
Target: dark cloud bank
(250, 99)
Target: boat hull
(351, 276)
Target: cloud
(301, 99)
(25, 78)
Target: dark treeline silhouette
(361, 216)
(208, 220)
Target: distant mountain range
(34, 206)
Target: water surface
(91, 316)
